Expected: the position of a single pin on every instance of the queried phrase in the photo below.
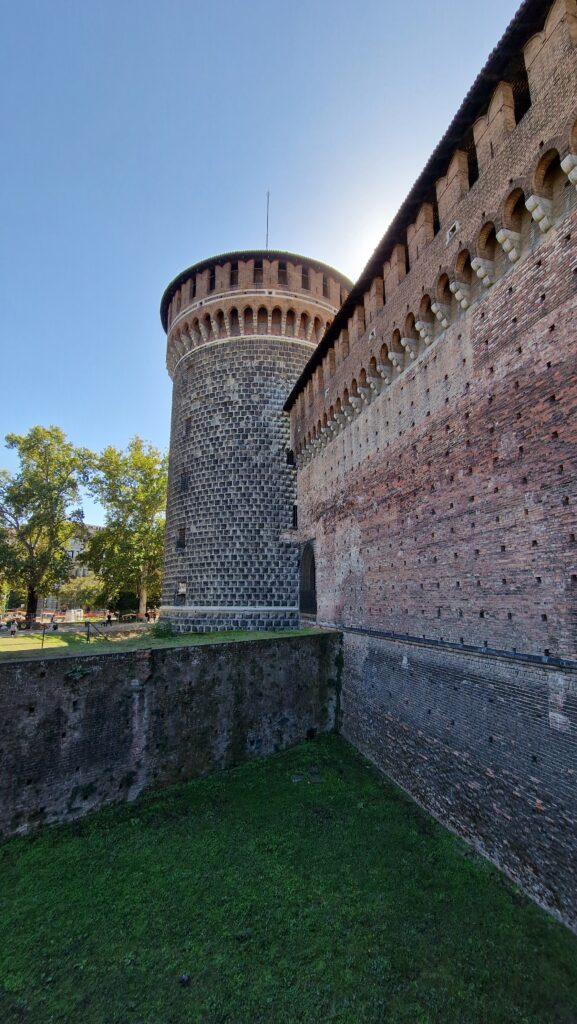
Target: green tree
(39, 511)
(127, 553)
(4, 592)
(82, 592)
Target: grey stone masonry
(232, 483)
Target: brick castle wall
(436, 440)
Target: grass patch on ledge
(303, 888)
(62, 644)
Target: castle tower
(240, 329)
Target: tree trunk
(31, 606)
(142, 602)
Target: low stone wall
(487, 744)
(78, 733)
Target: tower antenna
(267, 210)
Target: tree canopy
(40, 510)
(127, 553)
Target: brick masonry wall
(442, 507)
(485, 744)
(446, 511)
(79, 733)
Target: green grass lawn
(61, 643)
(303, 888)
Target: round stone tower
(240, 329)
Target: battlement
(250, 294)
(508, 165)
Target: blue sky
(140, 137)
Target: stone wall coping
(447, 646)
(204, 640)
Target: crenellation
(490, 131)
(421, 232)
(547, 50)
(452, 187)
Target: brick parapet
(479, 222)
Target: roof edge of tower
(224, 257)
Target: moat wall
(486, 743)
(79, 733)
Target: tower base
(188, 619)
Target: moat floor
(302, 888)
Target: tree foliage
(82, 592)
(39, 510)
(127, 553)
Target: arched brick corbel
(540, 204)
(509, 234)
(462, 293)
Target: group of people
(14, 622)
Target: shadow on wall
(308, 583)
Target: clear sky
(140, 137)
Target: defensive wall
(77, 733)
(435, 434)
(240, 328)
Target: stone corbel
(541, 210)
(569, 166)
(462, 293)
(384, 372)
(356, 403)
(398, 360)
(411, 347)
(365, 393)
(485, 270)
(510, 242)
(442, 313)
(425, 329)
(375, 384)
